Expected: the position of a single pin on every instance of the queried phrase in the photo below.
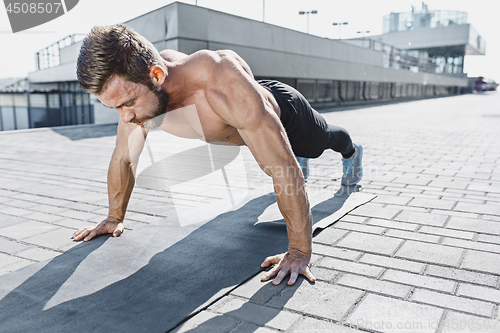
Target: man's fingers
(118, 231)
(293, 278)
(270, 274)
(80, 234)
(271, 260)
(281, 275)
(93, 233)
(309, 275)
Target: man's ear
(157, 75)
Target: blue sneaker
(352, 167)
(304, 165)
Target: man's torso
(190, 115)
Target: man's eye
(130, 104)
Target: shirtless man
(125, 72)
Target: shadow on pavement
(86, 132)
(193, 267)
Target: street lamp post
(340, 24)
(364, 32)
(363, 36)
(307, 13)
(263, 10)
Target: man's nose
(126, 116)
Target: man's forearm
(120, 185)
(294, 205)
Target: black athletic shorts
(307, 130)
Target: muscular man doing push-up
(124, 71)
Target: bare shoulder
(226, 61)
(172, 55)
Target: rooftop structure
(432, 41)
(326, 71)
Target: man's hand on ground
(108, 226)
(292, 262)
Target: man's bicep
(130, 142)
(268, 142)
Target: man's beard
(161, 109)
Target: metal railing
(51, 55)
(396, 58)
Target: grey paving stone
(376, 286)
(258, 314)
(453, 302)
(446, 232)
(38, 254)
(462, 275)
(251, 328)
(335, 252)
(11, 247)
(429, 203)
(320, 299)
(468, 244)
(7, 260)
(12, 267)
(482, 261)
(412, 235)
(421, 218)
(43, 217)
(478, 208)
(359, 227)
(313, 325)
(479, 292)
(474, 225)
(350, 267)
(383, 314)
(455, 213)
(462, 185)
(52, 201)
(79, 224)
(393, 224)
(370, 243)
(55, 239)
(354, 219)
(26, 229)
(48, 209)
(207, 322)
(391, 199)
(484, 188)
(79, 215)
(419, 280)
(465, 323)
(14, 211)
(400, 264)
(376, 210)
(424, 180)
(329, 235)
(258, 291)
(431, 253)
(323, 274)
(20, 203)
(488, 239)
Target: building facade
(326, 71)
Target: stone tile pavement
(424, 256)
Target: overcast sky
(18, 50)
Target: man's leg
(310, 135)
(317, 136)
(340, 141)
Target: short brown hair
(115, 50)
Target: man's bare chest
(195, 118)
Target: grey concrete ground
(424, 256)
